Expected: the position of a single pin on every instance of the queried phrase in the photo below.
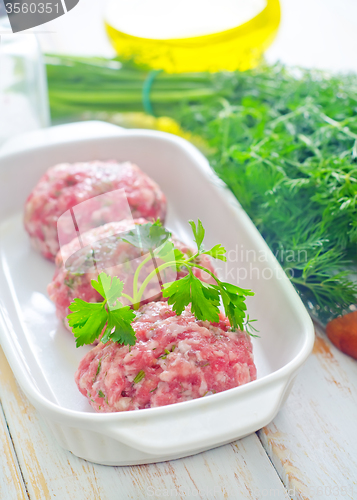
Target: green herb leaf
(69, 281)
(87, 321)
(198, 233)
(147, 236)
(168, 253)
(233, 298)
(98, 370)
(250, 328)
(217, 252)
(119, 327)
(109, 288)
(204, 298)
(139, 377)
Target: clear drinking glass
(23, 87)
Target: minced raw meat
(175, 359)
(75, 269)
(67, 185)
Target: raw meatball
(67, 185)
(75, 266)
(175, 358)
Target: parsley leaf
(204, 298)
(178, 293)
(233, 298)
(217, 252)
(147, 236)
(198, 233)
(87, 320)
(109, 288)
(168, 253)
(119, 327)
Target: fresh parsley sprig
(88, 320)
(205, 298)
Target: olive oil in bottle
(192, 35)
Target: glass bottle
(23, 87)
(192, 35)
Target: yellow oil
(239, 48)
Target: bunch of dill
(286, 145)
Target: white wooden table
(307, 452)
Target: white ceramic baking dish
(42, 353)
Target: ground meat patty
(67, 185)
(175, 358)
(75, 269)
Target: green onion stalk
(77, 85)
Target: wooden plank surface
(313, 440)
(239, 470)
(11, 483)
